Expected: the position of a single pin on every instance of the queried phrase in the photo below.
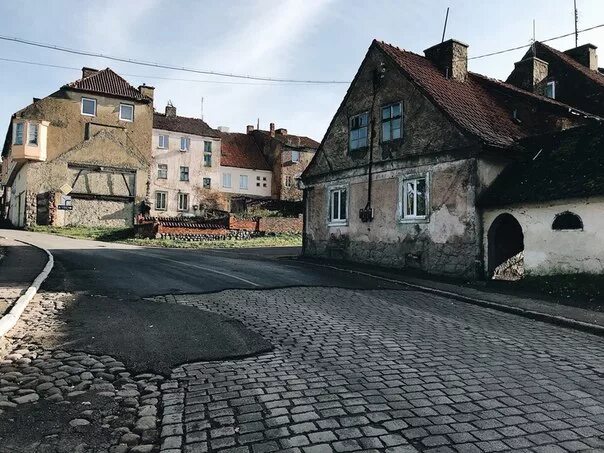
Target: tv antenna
(445, 26)
(202, 108)
(576, 25)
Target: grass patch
(280, 240)
(569, 289)
(92, 233)
(126, 236)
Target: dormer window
(550, 89)
(358, 131)
(18, 135)
(126, 112)
(88, 107)
(32, 134)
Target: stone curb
(536, 315)
(8, 321)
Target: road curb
(8, 321)
(531, 314)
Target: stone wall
(105, 213)
(281, 224)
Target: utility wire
(162, 66)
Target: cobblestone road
(387, 370)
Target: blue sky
(312, 39)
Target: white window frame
(20, 142)
(402, 204)
(163, 141)
(182, 167)
(183, 196)
(165, 196)
(297, 154)
(552, 84)
(187, 142)
(160, 170)
(129, 120)
(331, 219)
(247, 182)
(205, 146)
(33, 127)
(207, 156)
(82, 106)
(226, 176)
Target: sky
(294, 39)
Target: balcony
(29, 141)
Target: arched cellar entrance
(505, 241)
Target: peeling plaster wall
(446, 243)
(550, 252)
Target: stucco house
(186, 163)
(79, 156)
(412, 151)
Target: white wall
(548, 251)
(17, 209)
(175, 158)
(256, 187)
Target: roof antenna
(202, 108)
(258, 125)
(533, 49)
(445, 26)
(576, 25)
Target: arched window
(567, 221)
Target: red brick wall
(243, 224)
(281, 224)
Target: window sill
(337, 224)
(414, 220)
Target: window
(88, 107)
(207, 183)
(32, 134)
(295, 156)
(185, 143)
(126, 112)
(162, 171)
(392, 119)
(226, 180)
(161, 201)
(550, 89)
(567, 221)
(184, 173)
(18, 138)
(264, 178)
(163, 141)
(207, 147)
(358, 131)
(338, 205)
(207, 160)
(243, 181)
(288, 181)
(257, 178)
(183, 201)
(414, 195)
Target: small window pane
(88, 106)
(385, 113)
(386, 131)
(207, 182)
(32, 134)
(410, 189)
(226, 180)
(336, 205)
(343, 205)
(207, 147)
(163, 141)
(421, 197)
(243, 182)
(162, 171)
(18, 134)
(396, 110)
(126, 112)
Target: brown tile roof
(109, 83)
(481, 106)
(290, 140)
(186, 125)
(594, 76)
(241, 151)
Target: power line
(226, 82)
(162, 66)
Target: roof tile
(241, 151)
(107, 82)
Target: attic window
(88, 107)
(567, 221)
(358, 131)
(126, 112)
(550, 89)
(391, 122)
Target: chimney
(272, 129)
(146, 90)
(451, 57)
(250, 128)
(170, 110)
(87, 72)
(223, 129)
(586, 55)
(281, 131)
(528, 74)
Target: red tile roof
(292, 141)
(108, 83)
(481, 106)
(186, 125)
(594, 76)
(241, 151)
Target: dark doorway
(505, 240)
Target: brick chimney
(249, 128)
(146, 90)
(87, 72)
(586, 55)
(170, 110)
(451, 57)
(529, 74)
(272, 130)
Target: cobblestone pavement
(387, 370)
(57, 401)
